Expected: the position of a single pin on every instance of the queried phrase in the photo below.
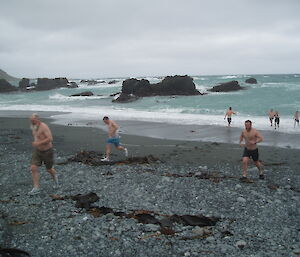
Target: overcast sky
(111, 38)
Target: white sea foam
(170, 116)
(229, 77)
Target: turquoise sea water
(280, 92)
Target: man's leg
(245, 166)
(53, 174)
(260, 167)
(35, 176)
(107, 151)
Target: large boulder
(48, 84)
(175, 85)
(171, 85)
(251, 81)
(85, 93)
(72, 85)
(126, 98)
(6, 86)
(227, 87)
(24, 83)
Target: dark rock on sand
(227, 87)
(171, 85)
(48, 84)
(85, 201)
(126, 98)
(85, 93)
(251, 81)
(6, 86)
(24, 83)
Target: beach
(186, 177)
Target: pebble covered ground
(257, 219)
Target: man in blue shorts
(113, 138)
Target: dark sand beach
(189, 178)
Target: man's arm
(114, 128)
(259, 137)
(225, 115)
(241, 138)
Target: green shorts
(40, 157)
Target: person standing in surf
(277, 120)
(113, 138)
(228, 114)
(251, 137)
(296, 118)
(271, 114)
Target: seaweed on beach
(93, 158)
(12, 252)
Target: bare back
(43, 133)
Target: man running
(228, 114)
(113, 138)
(296, 117)
(271, 114)
(277, 119)
(251, 137)
(42, 152)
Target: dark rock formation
(72, 85)
(6, 86)
(126, 98)
(171, 85)
(85, 93)
(24, 83)
(85, 201)
(48, 84)
(251, 81)
(113, 82)
(227, 87)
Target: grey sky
(107, 38)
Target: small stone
(241, 199)
(210, 239)
(238, 186)
(187, 254)
(241, 244)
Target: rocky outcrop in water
(6, 87)
(171, 85)
(24, 83)
(48, 84)
(251, 81)
(227, 87)
(85, 93)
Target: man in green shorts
(42, 152)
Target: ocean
(279, 92)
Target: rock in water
(24, 83)
(126, 98)
(227, 87)
(48, 84)
(251, 81)
(85, 93)
(171, 85)
(6, 86)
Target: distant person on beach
(42, 152)
(228, 114)
(271, 114)
(277, 120)
(296, 117)
(113, 138)
(251, 137)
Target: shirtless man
(229, 113)
(271, 114)
(296, 118)
(113, 138)
(42, 152)
(251, 137)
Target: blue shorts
(114, 141)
